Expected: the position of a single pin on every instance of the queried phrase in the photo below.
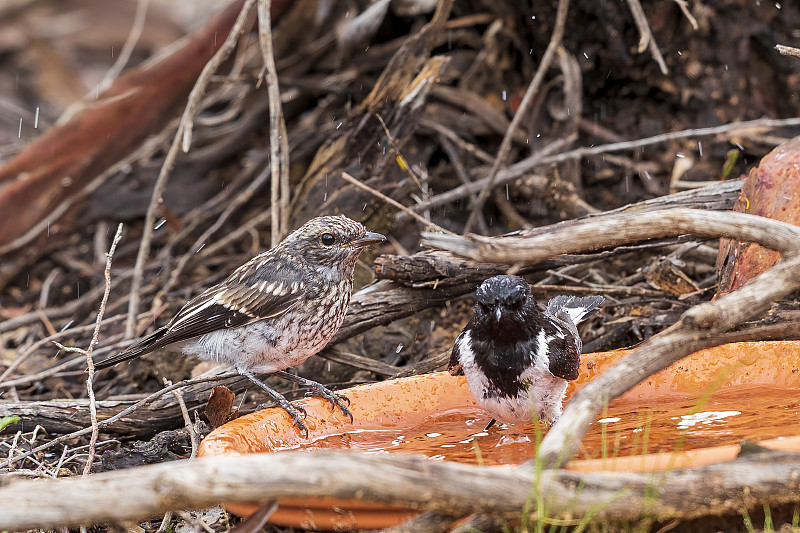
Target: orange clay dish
(694, 413)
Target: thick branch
(35, 189)
(60, 417)
(407, 480)
(607, 231)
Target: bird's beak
(368, 238)
(498, 312)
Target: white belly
(541, 398)
(269, 345)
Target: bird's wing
(255, 291)
(261, 288)
(577, 308)
(563, 348)
(564, 312)
(564, 358)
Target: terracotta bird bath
(694, 413)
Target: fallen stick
(412, 481)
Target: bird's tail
(147, 344)
(576, 307)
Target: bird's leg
(490, 424)
(295, 411)
(337, 400)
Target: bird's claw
(288, 407)
(300, 426)
(336, 400)
(297, 413)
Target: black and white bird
(516, 358)
(273, 312)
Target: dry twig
(350, 179)
(187, 420)
(182, 138)
(522, 168)
(790, 51)
(278, 141)
(647, 40)
(88, 352)
(619, 229)
(533, 88)
(127, 49)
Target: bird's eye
(327, 239)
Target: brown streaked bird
(273, 312)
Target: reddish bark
(141, 102)
(772, 190)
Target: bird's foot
(296, 412)
(317, 389)
(337, 400)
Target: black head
(330, 242)
(501, 297)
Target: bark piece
(220, 406)
(374, 134)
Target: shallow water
(752, 412)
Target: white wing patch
(279, 290)
(542, 346)
(208, 303)
(575, 313)
(465, 355)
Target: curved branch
(696, 329)
(594, 233)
